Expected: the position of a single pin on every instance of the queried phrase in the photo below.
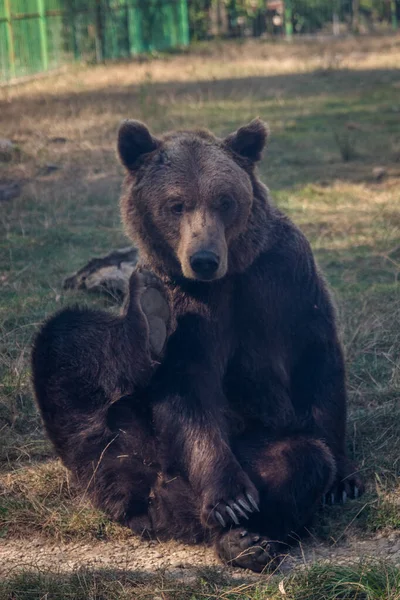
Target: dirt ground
(179, 560)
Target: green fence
(38, 35)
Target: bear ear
(249, 141)
(134, 140)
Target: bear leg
(90, 371)
(292, 474)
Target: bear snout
(204, 264)
(202, 250)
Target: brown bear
(230, 426)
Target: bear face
(189, 196)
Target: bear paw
(230, 502)
(156, 309)
(241, 548)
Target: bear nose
(204, 263)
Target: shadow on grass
(368, 580)
(112, 584)
(308, 112)
(307, 85)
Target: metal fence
(38, 35)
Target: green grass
(332, 121)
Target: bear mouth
(205, 277)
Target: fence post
(10, 39)
(135, 39)
(43, 34)
(184, 23)
(288, 19)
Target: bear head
(191, 201)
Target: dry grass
(312, 94)
(41, 500)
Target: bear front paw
(230, 502)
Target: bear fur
(232, 429)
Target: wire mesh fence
(38, 35)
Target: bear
(230, 427)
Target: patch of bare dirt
(175, 559)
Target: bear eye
(177, 208)
(226, 203)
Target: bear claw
(239, 511)
(245, 505)
(232, 515)
(341, 493)
(253, 502)
(232, 512)
(220, 518)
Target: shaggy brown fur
(244, 418)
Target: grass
(334, 112)
(365, 581)
(40, 500)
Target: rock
(9, 190)
(7, 149)
(379, 173)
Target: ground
(333, 164)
